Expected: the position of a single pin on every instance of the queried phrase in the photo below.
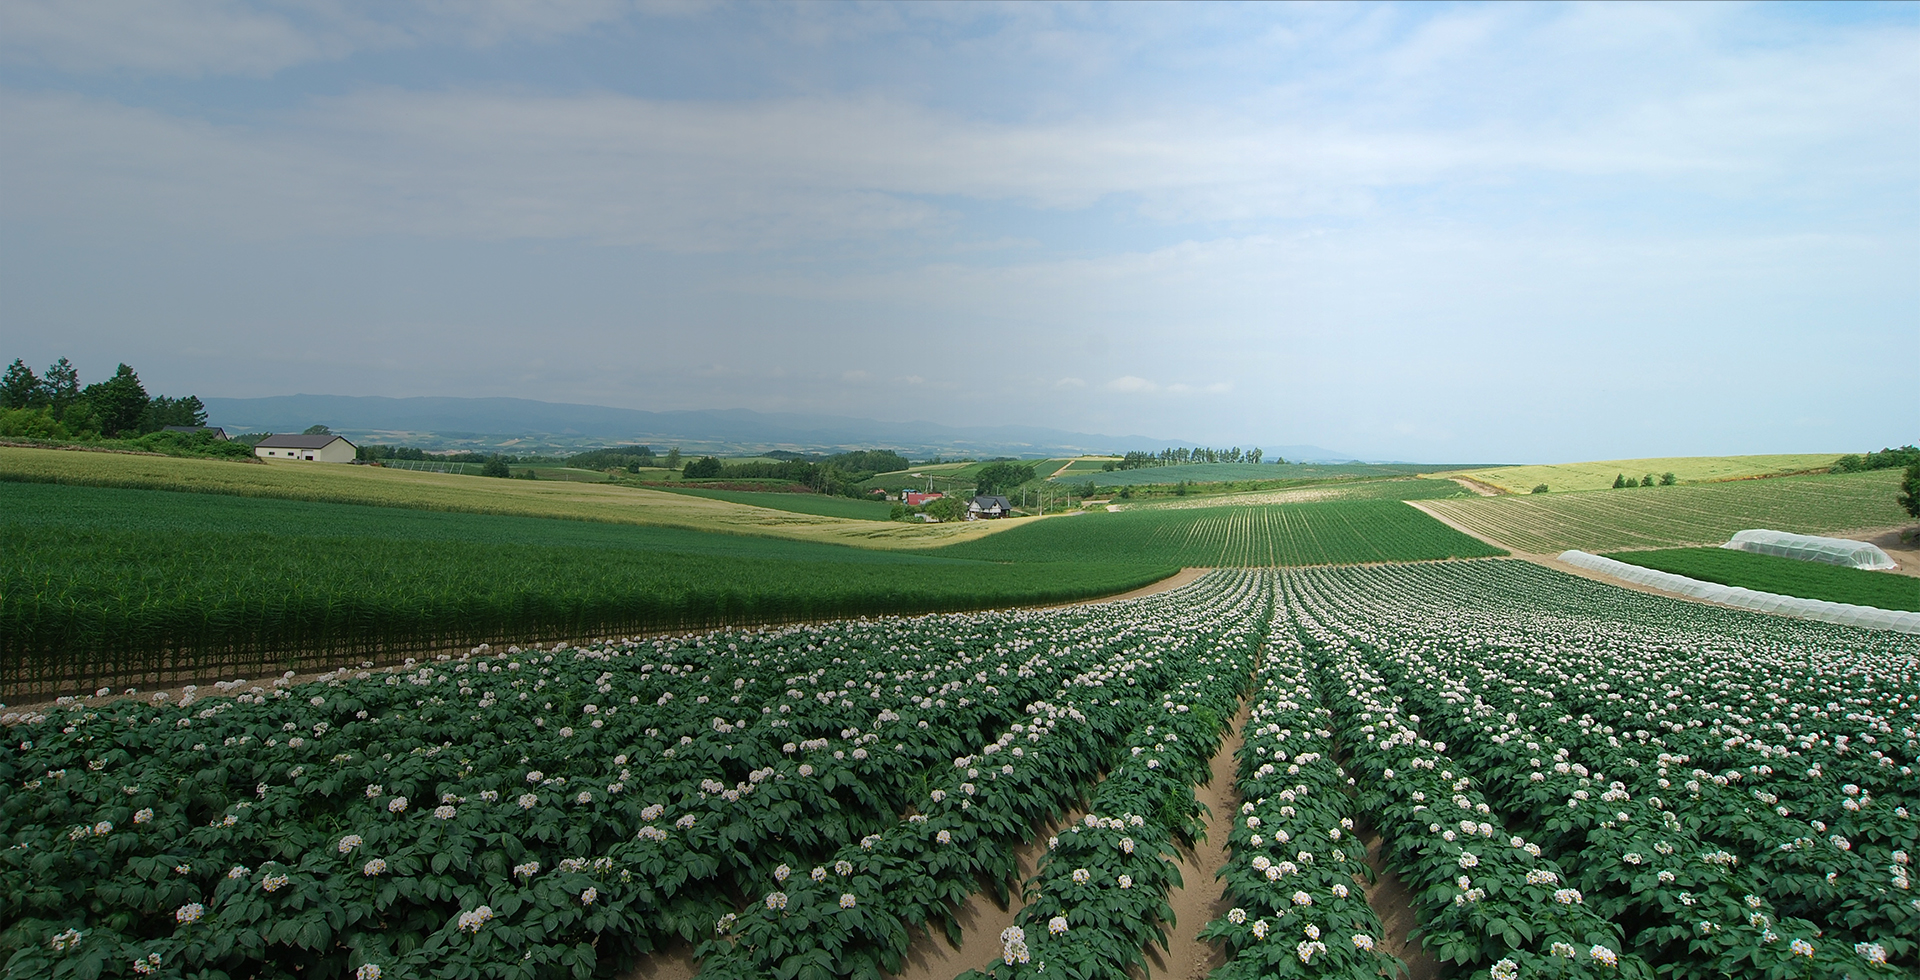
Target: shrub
(1619, 480)
(496, 465)
(1668, 479)
(1542, 488)
(1910, 498)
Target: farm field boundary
(1783, 576)
(378, 486)
(1599, 474)
(109, 587)
(1343, 532)
(1677, 516)
(1737, 597)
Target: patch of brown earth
(1393, 903)
(1202, 897)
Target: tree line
(56, 407)
(1138, 459)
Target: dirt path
(1202, 897)
(1393, 903)
(1481, 489)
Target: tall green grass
(1785, 576)
(110, 587)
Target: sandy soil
(1393, 903)
(1905, 553)
(1202, 897)
(1482, 489)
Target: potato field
(1572, 780)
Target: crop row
(529, 811)
(1334, 532)
(108, 587)
(1099, 896)
(1713, 869)
(1297, 871)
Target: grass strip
(1784, 576)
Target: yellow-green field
(1670, 517)
(1560, 477)
(384, 487)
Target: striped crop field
(1599, 474)
(1345, 532)
(1393, 488)
(383, 487)
(112, 587)
(1671, 517)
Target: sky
(1437, 232)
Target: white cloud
(1069, 383)
(1130, 385)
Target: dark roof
(299, 442)
(987, 501)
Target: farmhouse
(914, 498)
(319, 449)
(987, 505)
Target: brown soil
(1393, 903)
(1905, 553)
(1482, 489)
(1201, 897)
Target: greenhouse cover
(1808, 547)
(1845, 614)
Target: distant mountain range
(526, 426)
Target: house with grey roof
(327, 448)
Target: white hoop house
(1808, 547)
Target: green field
(196, 584)
(1234, 472)
(1284, 534)
(1785, 576)
(1598, 475)
(797, 503)
(1669, 517)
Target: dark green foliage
(163, 411)
(1002, 477)
(704, 468)
(1200, 454)
(1619, 480)
(21, 387)
(496, 466)
(1910, 491)
(1542, 488)
(1786, 576)
(190, 585)
(1885, 459)
(1647, 481)
(617, 457)
(317, 430)
(1279, 534)
(119, 401)
(870, 461)
(1669, 479)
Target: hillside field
(1562, 477)
(378, 486)
(1786, 576)
(1280, 534)
(1670, 517)
(1236, 472)
(185, 584)
(1314, 491)
(822, 505)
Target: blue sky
(1442, 232)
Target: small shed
(988, 506)
(327, 448)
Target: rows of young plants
(146, 588)
(1632, 743)
(545, 812)
(1099, 897)
(1297, 873)
(853, 916)
(1240, 536)
(1490, 899)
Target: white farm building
(318, 449)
